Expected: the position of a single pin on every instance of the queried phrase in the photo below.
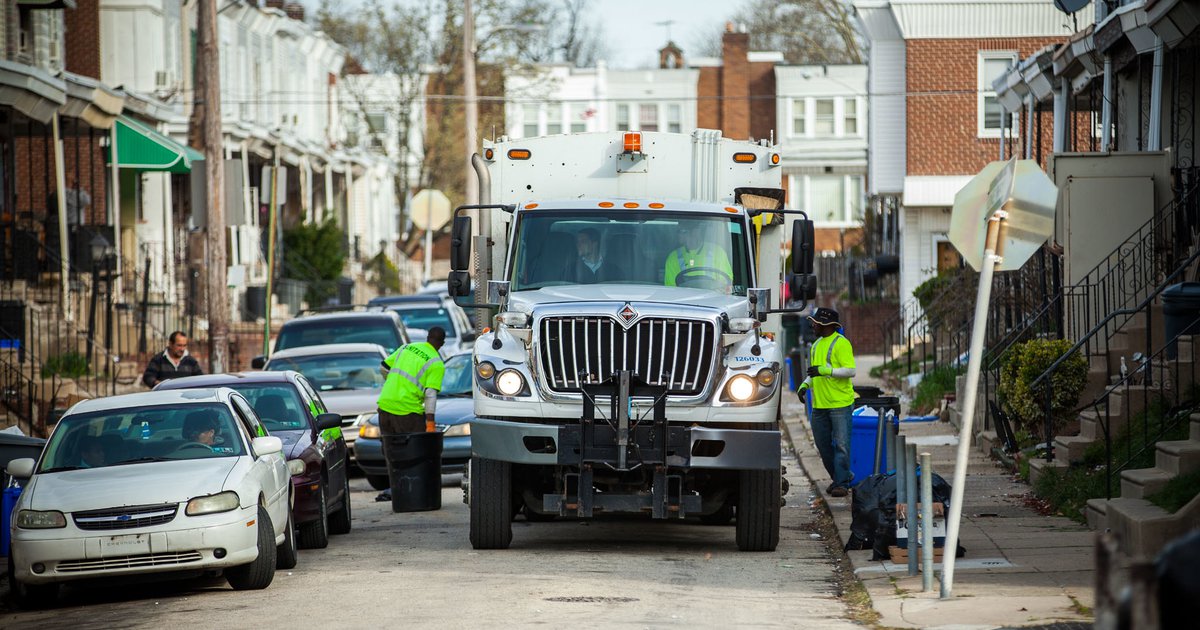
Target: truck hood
(527, 301)
(149, 483)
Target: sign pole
(271, 210)
(993, 256)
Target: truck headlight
(514, 319)
(741, 388)
(485, 370)
(765, 377)
(213, 503)
(33, 519)
(458, 430)
(510, 382)
(369, 431)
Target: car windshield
(329, 372)
(457, 379)
(142, 434)
(624, 247)
(426, 317)
(320, 332)
(278, 405)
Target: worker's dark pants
(831, 432)
(390, 423)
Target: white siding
(922, 19)
(921, 226)
(887, 122)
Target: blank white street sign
(1016, 186)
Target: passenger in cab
(590, 267)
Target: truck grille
(125, 517)
(677, 353)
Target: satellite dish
(1070, 6)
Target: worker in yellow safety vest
(408, 400)
(831, 369)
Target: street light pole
(207, 115)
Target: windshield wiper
(139, 460)
(61, 469)
(457, 395)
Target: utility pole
(470, 104)
(206, 114)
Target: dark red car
(291, 410)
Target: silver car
(349, 377)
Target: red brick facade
(942, 106)
(83, 38)
(83, 166)
(737, 97)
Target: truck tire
(491, 503)
(758, 510)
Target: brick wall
(708, 105)
(83, 162)
(83, 38)
(762, 99)
(942, 105)
(738, 97)
(735, 85)
(832, 239)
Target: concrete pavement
(1020, 568)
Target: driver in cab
(696, 257)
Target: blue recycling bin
(9, 502)
(865, 423)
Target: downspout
(1029, 105)
(1154, 143)
(1106, 115)
(1060, 115)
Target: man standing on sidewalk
(408, 400)
(830, 370)
(174, 362)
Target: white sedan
(165, 481)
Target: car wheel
(257, 574)
(340, 521)
(491, 503)
(379, 482)
(30, 596)
(286, 555)
(315, 535)
(758, 510)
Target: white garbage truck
(631, 359)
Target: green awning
(141, 148)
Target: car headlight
(369, 431)
(296, 467)
(214, 503)
(741, 388)
(33, 519)
(458, 430)
(514, 319)
(485, 370)
(765, 377)
(510, 382)
(364, 418)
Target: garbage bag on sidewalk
(873, 514)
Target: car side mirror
(327, 421)
(21, 468)
(266, 445)
(803, 247)
(803, 287)
(460, 244)
(258, 363)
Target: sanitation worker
(830, 370)
(408, 401)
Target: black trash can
(256, 304)
(1181, 312)
(414, 470)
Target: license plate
(127, 545)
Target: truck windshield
(570, 247)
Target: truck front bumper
(686, 446)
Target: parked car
(348, 377)
(291, 410)
(423, 311)
(455, 411)
(341, 326)
(148, 483)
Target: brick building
(934, 118)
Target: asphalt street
(419, 570)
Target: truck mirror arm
(507, 207)
(755, 213)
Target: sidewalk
(1020, 568)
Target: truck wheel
(758, 510)
(723, 516)
(491, 503)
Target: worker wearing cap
(408, 401)
(830, 370)
(708, 260)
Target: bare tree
(805, 31)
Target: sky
(632, 30)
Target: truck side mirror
(803, 287)
(459, 284)
(760, 303)
(802, 247)
(460, 244)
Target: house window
(674, 118)
(831, 200)
(827, 199)
(799, 117)
(622, 117)
(823, 121)
(554, 119)
(991, 116)
(850, 117)
(529, 116)
(579, 116)
(648, 117)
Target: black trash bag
(873, 514)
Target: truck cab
(630, 364)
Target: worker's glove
(801, 390)
(819, 370)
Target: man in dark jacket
(174, 362)
(591, 267)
